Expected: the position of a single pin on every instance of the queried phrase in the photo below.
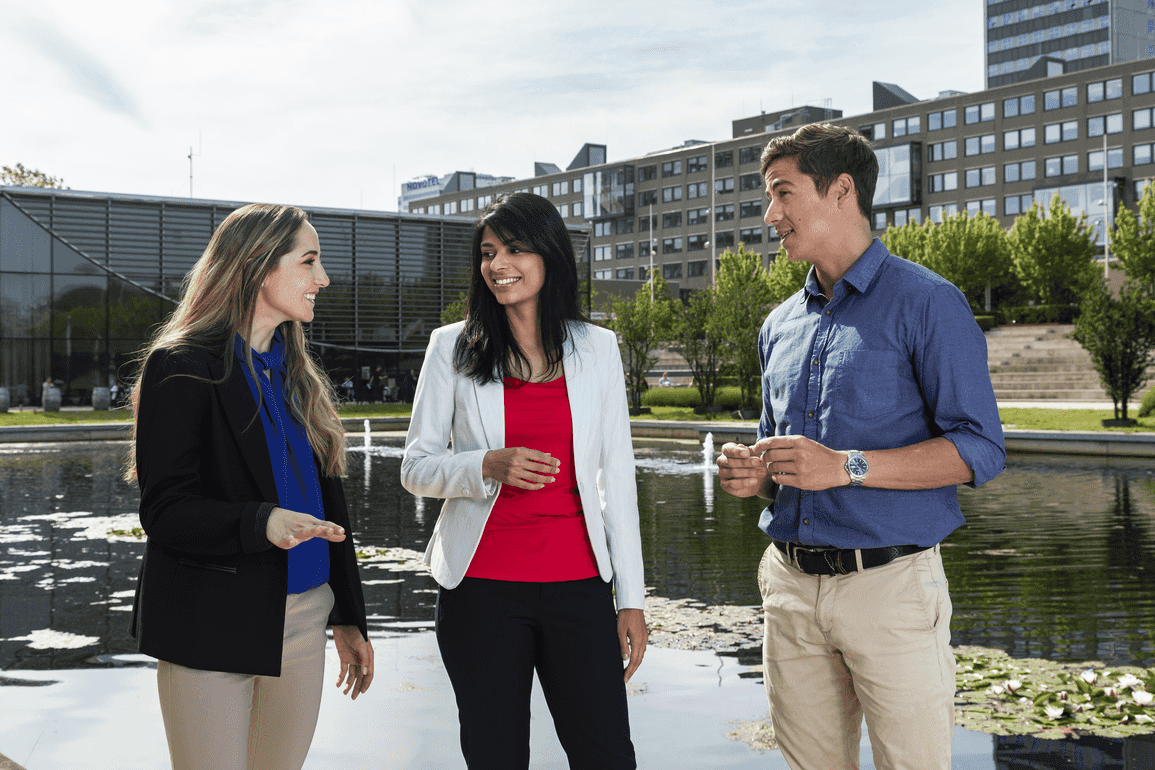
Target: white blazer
(456, 421)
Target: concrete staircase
(1042, 363)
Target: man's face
(805, 220)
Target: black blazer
(211, 593)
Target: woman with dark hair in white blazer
(520, 423)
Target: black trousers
(493, 634)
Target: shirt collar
(861, 273)
(274, 359)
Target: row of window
(1036, 11)
(678, 244)
(1027, 169)
(1048, 33)
(722, 159)
(1102, 48)
(670, 271)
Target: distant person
(347, 389)
(238, 452)
(114, 393)
(408, 387)
(377, 386)
(44, 390)
(877, 402)
(664, 382)
(540, 506)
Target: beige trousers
(873, 643)
(220, 721)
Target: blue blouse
(291, 455)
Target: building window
(696, 242)
(645, 224)
(671, 194)
(1019, 105)
(944, 182)
(623, 226)
(643, 273)
(880, 220)
(1013, 205)
(560, 188)
(603, 229)
(697, 216)
(771, 233)
(647, 197)
(647, 173)
(577, 209)
(749, 154)
(672, 271)
(451, 207)
(1061, 132)
(979, 113)
(577, 185)
(749, 182)
(1070, 164)
(1067, 97)
(694, 165)
(985, 206)
(724, 213)
(467, 204)
(604, 275)
(563, 209)
(724, 186)
(1022, 137)
(1015, 172)
(725, 239)
(1140, 155)
(696, 269)
(905, 126)
(1114, 159)
(672, 219)
(625, 251)
(1052, 167)
(750, 235)
(724, 159)
(625, 273)
(1110, 124)
(485, 200)
(936, 121)
(643, 249)
(602, 253)
(980, 145)
(902, 216)
(1140, 119)
(980, 177)
(671, 245)
(671, 168)
(542, 190)
(696, 190)
(874, 132)
(943, 151)
(937, 213)
(1141, 83)
(750, 209)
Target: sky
(335, 103)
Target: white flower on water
(996, 690)
(1024, 700)
(1112, 692)
(1129, 680)
(1143, 719)
(1013, 684)
(1089, 676)
(1053, 712)
(1142, 697)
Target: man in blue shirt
(877, 402)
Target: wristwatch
(857, 467)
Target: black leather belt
(841, 561)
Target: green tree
(785, 277)
(911, 241)
(744, 298)
(1120, 336)
(973, 254)
(641, 323)
(18, 176)
(1133, 239)
(455, 310)
(702, 350)
(1052, 254)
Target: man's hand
(796, 461)
(632, 636)
(741, 470)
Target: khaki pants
(220, 721)
(875, 642)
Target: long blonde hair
(220, 296)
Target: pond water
(1057, 559)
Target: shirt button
(806, 521)
(814, 362)
(827, 313)
(810, 414)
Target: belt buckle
(835, 563)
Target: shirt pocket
(867, 383)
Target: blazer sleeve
(178, 428)
(619, 486)
(429, 467)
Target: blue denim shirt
(893, 358)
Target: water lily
(1013, 684)
(996, 690)
(1063, 695)
(1089, 676)
(1143, 719)
(1142, 697)
(1053, 712)
(1111, 692)
(1024, 700)
(1129, 680)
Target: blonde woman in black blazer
(240, 656)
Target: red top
(537, 535)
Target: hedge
(728, 396)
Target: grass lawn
(1022, 419)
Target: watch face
(857, 465)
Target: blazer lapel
(240, 410)
(581, 390)
(491, 409)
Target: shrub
(671, 397)
(986, 322)
(1039, 314)
(1147, 405)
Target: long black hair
(486, 351)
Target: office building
(86, 277)
(994, 151)
(1028, 39)
(429, 186)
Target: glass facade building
(85, 278)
